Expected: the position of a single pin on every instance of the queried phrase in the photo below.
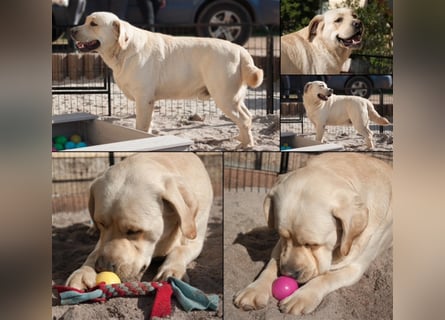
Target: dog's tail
(374, 116)
(251, 74)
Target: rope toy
(189, 298)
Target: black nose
(290, 273)
(357, 24)
(103, 264)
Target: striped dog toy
(189, 298)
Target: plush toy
(189, 298)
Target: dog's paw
(252, 298)
(83, 278)
(302, 301)
(166, 272)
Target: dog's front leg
(256, 295)
(310, 295)
(84, 277)
(144, 113)
(319, 132)
(176, 262)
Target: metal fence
(258, 171)
(82, 83)
(72, 174)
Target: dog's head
(101, 32)
(139, 216)
(318, 217)
(317, 90)
(337, 28)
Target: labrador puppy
(333, 217)
(149, 205)
(325, 108)
(324, 45)
(150, 66)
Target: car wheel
(225, 12)
(359, 86)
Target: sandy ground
(247, 247)
(212, 132)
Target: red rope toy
(189, 297)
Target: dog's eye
(133, 232)
(93, 24)
(338, 20)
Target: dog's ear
(269, 212)
(353, 215)
(184, 202)
(315, 26)
(306, 87)
(91, 206)
(122, 30)
(269, 206)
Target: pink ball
(283, 287)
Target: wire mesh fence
(73, 173)
(258, 171)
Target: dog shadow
(259, 242)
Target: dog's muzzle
(356, 40)
(84, 46)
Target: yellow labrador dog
(324, 45)
(325, 108)
(151, 66)
(149, 205)
(334, 217)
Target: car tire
(359, 86)
(225, 12)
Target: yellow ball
(108, 277)
(76, 138)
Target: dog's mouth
(323, 97)
(353, 42)
(88, 46)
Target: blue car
(359, 85)
(209, 16)
(350, 84)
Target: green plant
(297, 14)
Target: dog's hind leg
(242, 117)
(366, 133)
(235, 109)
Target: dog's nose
(357, 24)
(290, 273)
(103, 264)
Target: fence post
(108, 86)
(284, 163)
(269, 72)
(381, 104)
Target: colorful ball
(60, 140)
(76, 138)
(58, 146)
(283, 287)
(70, 145)
(108, 277)
(81, 144)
